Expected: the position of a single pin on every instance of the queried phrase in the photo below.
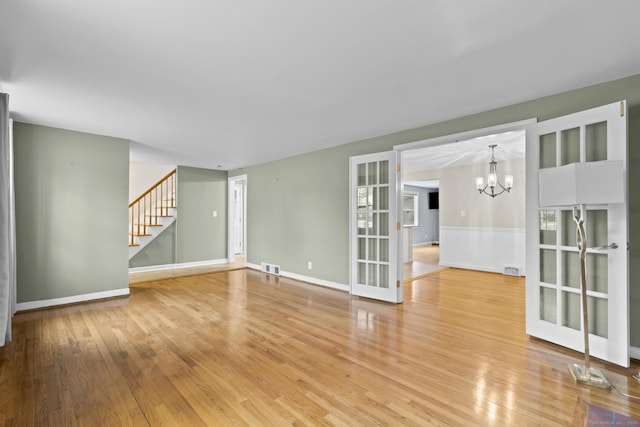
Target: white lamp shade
(508, 181)
(492, 180)
(582, 183)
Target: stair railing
(150, 206)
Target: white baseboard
(32, 305)
(470, 267)
(416, 245)
(180, 265)
(315, 281)
(308, 279)
(634, 352)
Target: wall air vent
(271, 268)
(511, 270)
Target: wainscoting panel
(485, 249)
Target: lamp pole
(585, 375)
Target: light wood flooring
(426, 260)
(243, 348)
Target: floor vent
(510, 270)
(271, 268)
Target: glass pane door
(560, 270)
(373, 229)
(553, 269)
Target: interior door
(238, 221)
(374, 227)
(553, 274)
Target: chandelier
(493, 187)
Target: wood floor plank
(240, 348)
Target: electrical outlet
(215, 214)
(310, 265)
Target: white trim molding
(32, 305)
(461, 136)
(307, 279)
(180, 265)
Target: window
(410, 209)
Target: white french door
(374, 227)
(553, 273)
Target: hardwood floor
(426, 260)
(243, 348)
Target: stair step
(134, 244)
(139, 234)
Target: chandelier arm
(493, 193)
(503, 188)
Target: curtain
(7, 224)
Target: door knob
(609, 246)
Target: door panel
(374, 234)
(553, 275)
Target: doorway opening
(421, 228)
(474, 231)
(237, 202)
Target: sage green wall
(298, 208)
(72, 194)
(297, 213)
(200, 235)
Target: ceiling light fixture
(492, 179)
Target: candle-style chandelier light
(494, 187)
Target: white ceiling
(509, 146)
(432, 184)
(231, 83)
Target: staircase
(151, 213)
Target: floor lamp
(577, 185)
